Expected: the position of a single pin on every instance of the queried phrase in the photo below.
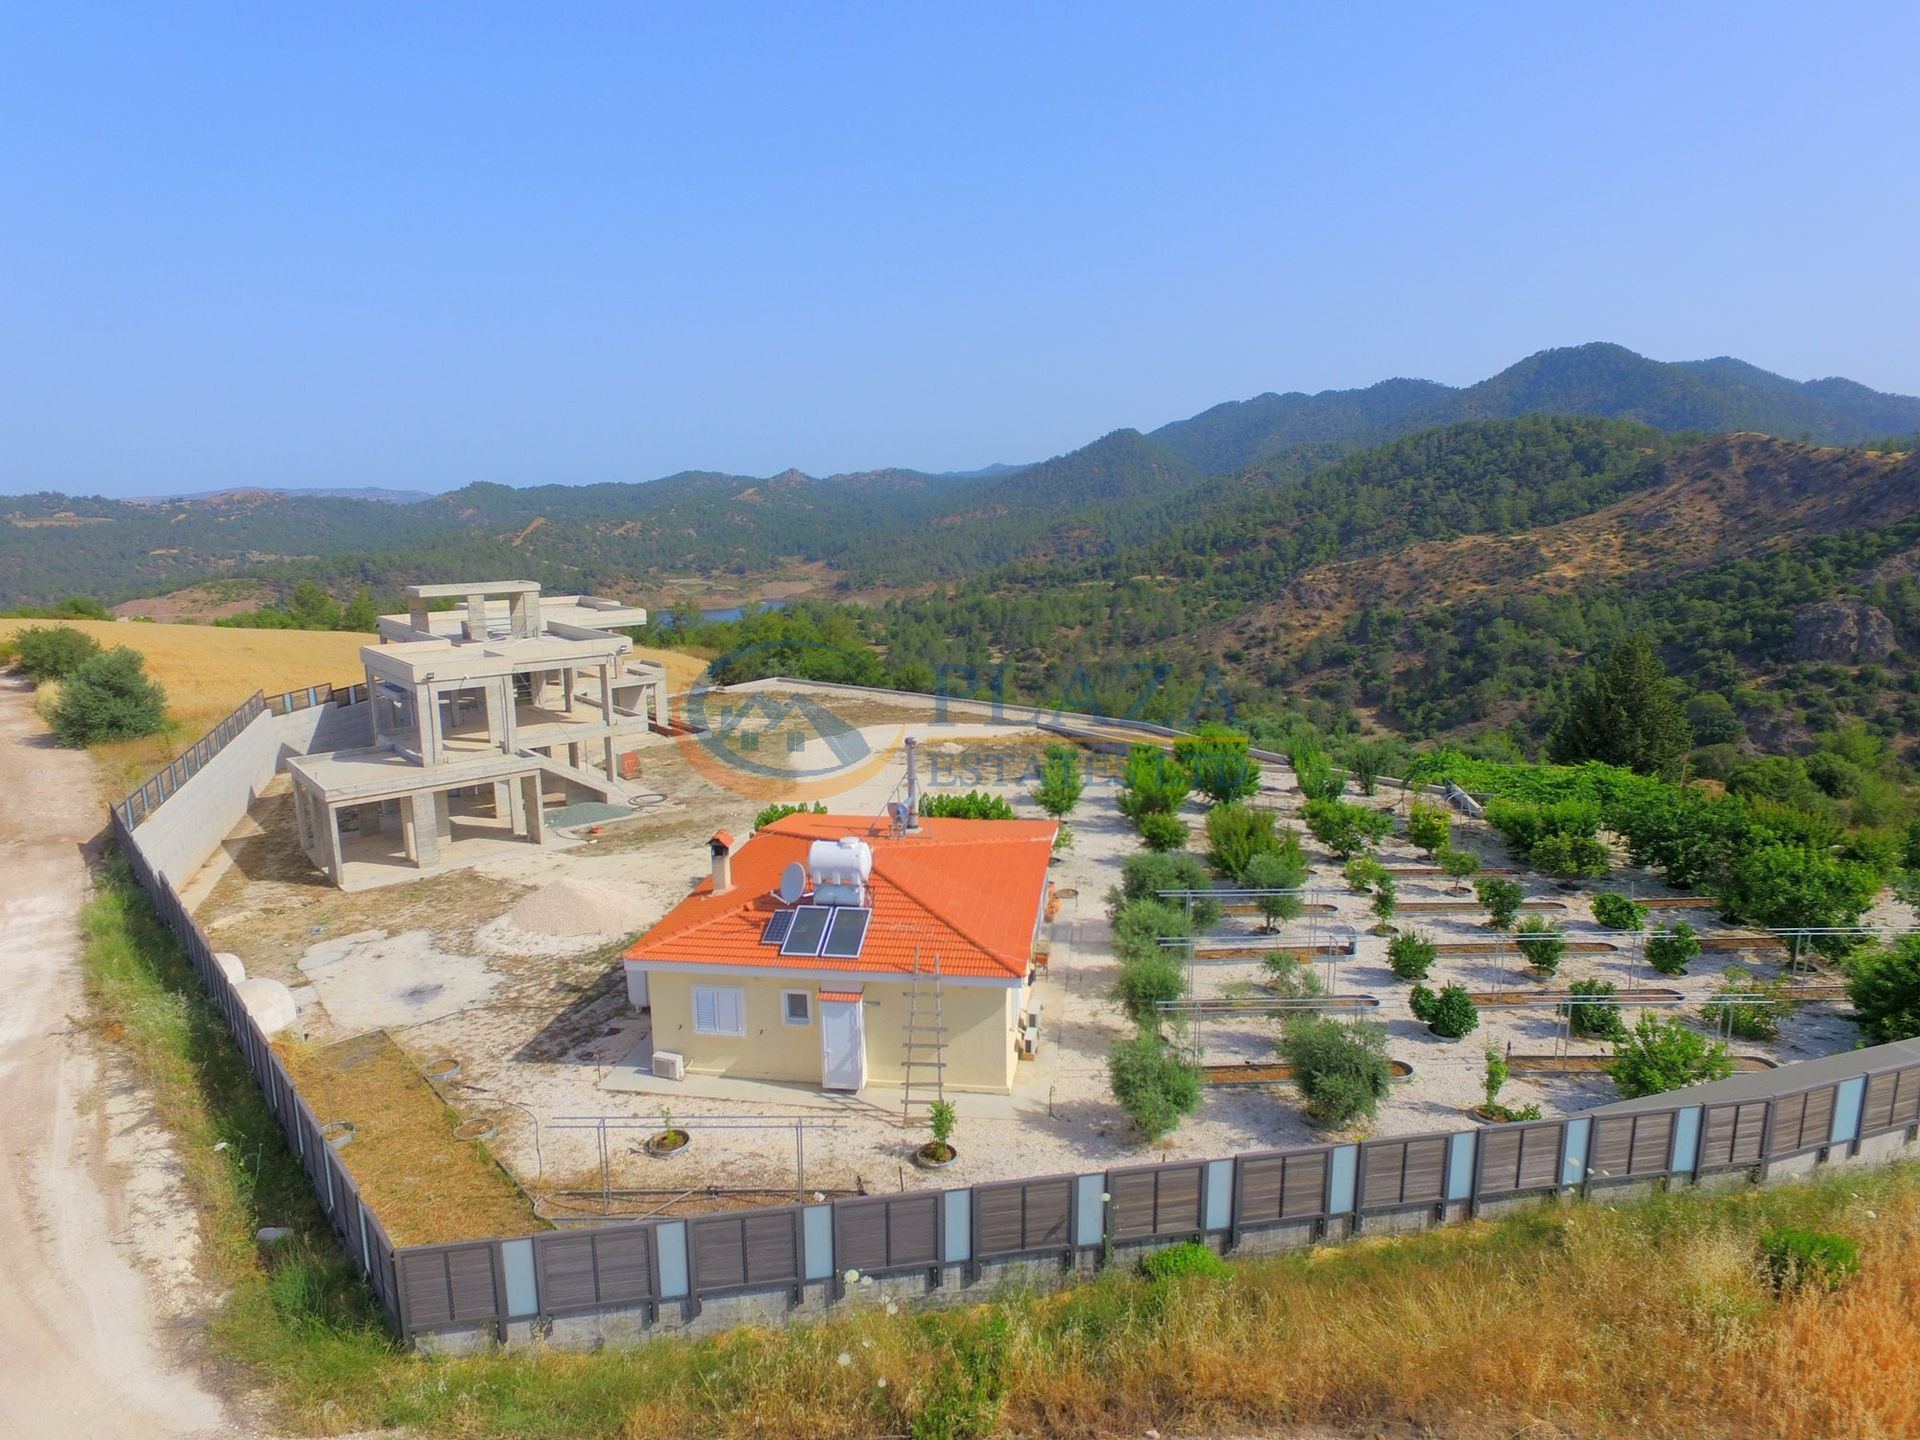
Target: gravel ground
(542, 1042)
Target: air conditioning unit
(667, 1065)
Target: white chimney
(913, 787)
(721, 845)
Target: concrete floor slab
(371, 980)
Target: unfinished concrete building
(485, 716)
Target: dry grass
(426, 1186)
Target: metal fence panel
(448, 1285)
(1731, 1135)
(585, 1270)
(1155, 1200)
(1398, 1174)
(1892, 1102)
(1022, 1217)
(1624, 1145)
(1515, 1158)
(1800, 1122)
(882, 1233)
(746, 1250)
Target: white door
(843, 1045)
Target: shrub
(1543, 942)
(1152, 783)
(1450, 1013)
(1749, 1019)
(1146, 980)
(1668, 951)
(940, 1123)
(1161, 833)
(1363, 872)
(1410, 954)
(1235, 834)
(1619, 912)
(1659, 1055)
(1143, 877)
(1340, 1066)
(1315, 772)
(1061, 782)
(1458, 864)
(1188, 1258)
(780, 812)
(53, 652)
(1502, 898)
(1594, 1022)
(1783, 886)
(1429, 827)
(974, 805)
(1288, 975)
(1272, 872)
(1218, 765)
(109, 697)
(1153, 1084)
(1139, 926)
(1386, 895)
(1885, 990)
(1570, 857)
(1492, 1083)
(1346, 829)
(1813, 1258)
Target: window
(719, 1010)
(796, 1007)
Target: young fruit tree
(1659, 1055)
(1502, 898)
(1429, 827)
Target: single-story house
(794, 961)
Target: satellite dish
(793, 883)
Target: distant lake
(730, 612)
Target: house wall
(979, 1019)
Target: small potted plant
(670, 1140)
(1450, 1014)
(938, 1153)
(1496, 1076)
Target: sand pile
(568, 916)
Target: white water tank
(269, 1002)
(839, 870)
(229, 965)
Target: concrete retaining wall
(177, 838)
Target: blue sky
(429, 244)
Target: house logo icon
(767, 741)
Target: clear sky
(420, 245)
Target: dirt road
(94, 1241)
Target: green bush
(1140, 925)
(1885, 990)
(1502, 898)
(1314, 770)
(109, 697)
(974, 805)
(1458, 864)
(1236, 833)
(1451, 1013)
(53, 652)
(1619, 912)
(1061, 782)
(1570, 857)
(1669, 951)
(1145, 981)
(780, 812)
(1543, 942)
(1153, 783)
(1340, 1066)
(1797, 1258)
(1410, 954)
(1748, 1019)
(1429, 827)
(1594, 1022)
(1143, 877)
(1161, 833)
(1362, 873)
(1189, 1257)
(1278, 870)
(1659, 1055)
(1386, 896)
(1217, 764)
(1346, 829)
(1152, 1082)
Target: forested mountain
(1610, 381)
(1147, 533)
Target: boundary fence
(770, 1262)
(165, 783)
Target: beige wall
(979, 1021)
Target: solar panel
(848, 932)
(808, 929)
(777, 928)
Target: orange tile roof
(969, 890)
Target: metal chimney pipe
(913, 786)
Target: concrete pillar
(302, 826)
(335, 862)
(576, 754)
(516, 792)
(535, 817)
(509, 710)
(443, 814)
(477, 615)
(418, 612)
(502, 802)
(496, 715)
(410, 827)
(426, 832)
(426, 714)
(389, 816)
(606, 692)
(566, 679)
